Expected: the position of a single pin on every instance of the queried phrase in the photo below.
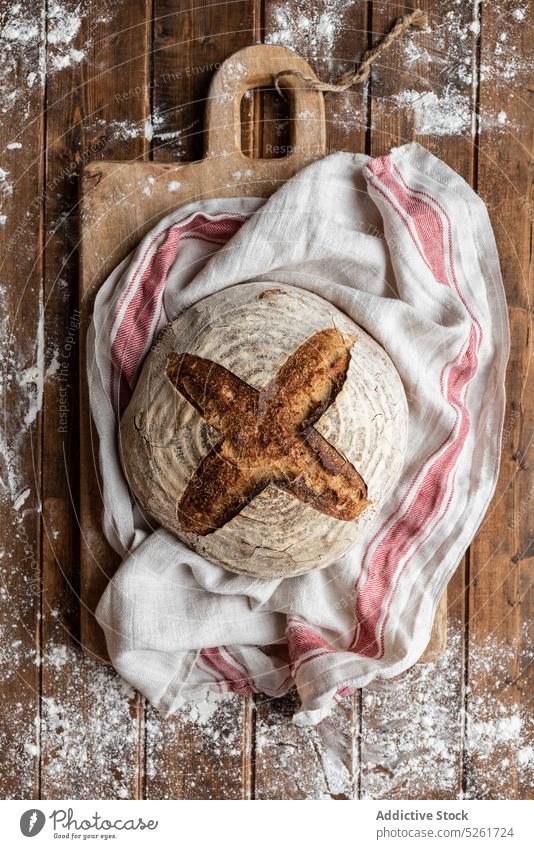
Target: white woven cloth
(405, 248)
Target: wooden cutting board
(121, 201)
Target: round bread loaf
(265, 431)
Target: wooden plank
(412, 725)
(525, 675)
(499, 762)
(422, 88)
(331, 37)
(121, 202)
(417, 754)
(21, 134)
(117, 125)
(91, 723)
(110, 229)
(190, 43)
(305, 763)
(203, 752)
(321, 762)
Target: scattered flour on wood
(87, 731)
(21, 53)
(449, 114)
(21, 498)
(239, 175)
(205, 705)
(447, 54)
(149, 129)
(181, 750)
(307, 28)
(412, 732)
(31, 46)
(304, 762)
(414, 727)
(234, 70)
(33, 377)
(411, 743)
(6, 186)
(63, 27)
(11, 366)
(520, 13)
(23, 373)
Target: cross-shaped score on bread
(268, 435)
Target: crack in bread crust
(268, 435)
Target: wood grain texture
(189, 756)
(392, 126)
(116, 123)
(305, 763)
(347, 117)
(291, 762)
(22, 372)
(200, 752)
(83, 112)
(500, 590)
(191, 40)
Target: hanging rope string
(417, 19)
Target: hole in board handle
(267, 135)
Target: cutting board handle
(256, 66)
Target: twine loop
(417, 19)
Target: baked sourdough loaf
(265, 431)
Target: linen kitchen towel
(403, 246)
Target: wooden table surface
(125, 80)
